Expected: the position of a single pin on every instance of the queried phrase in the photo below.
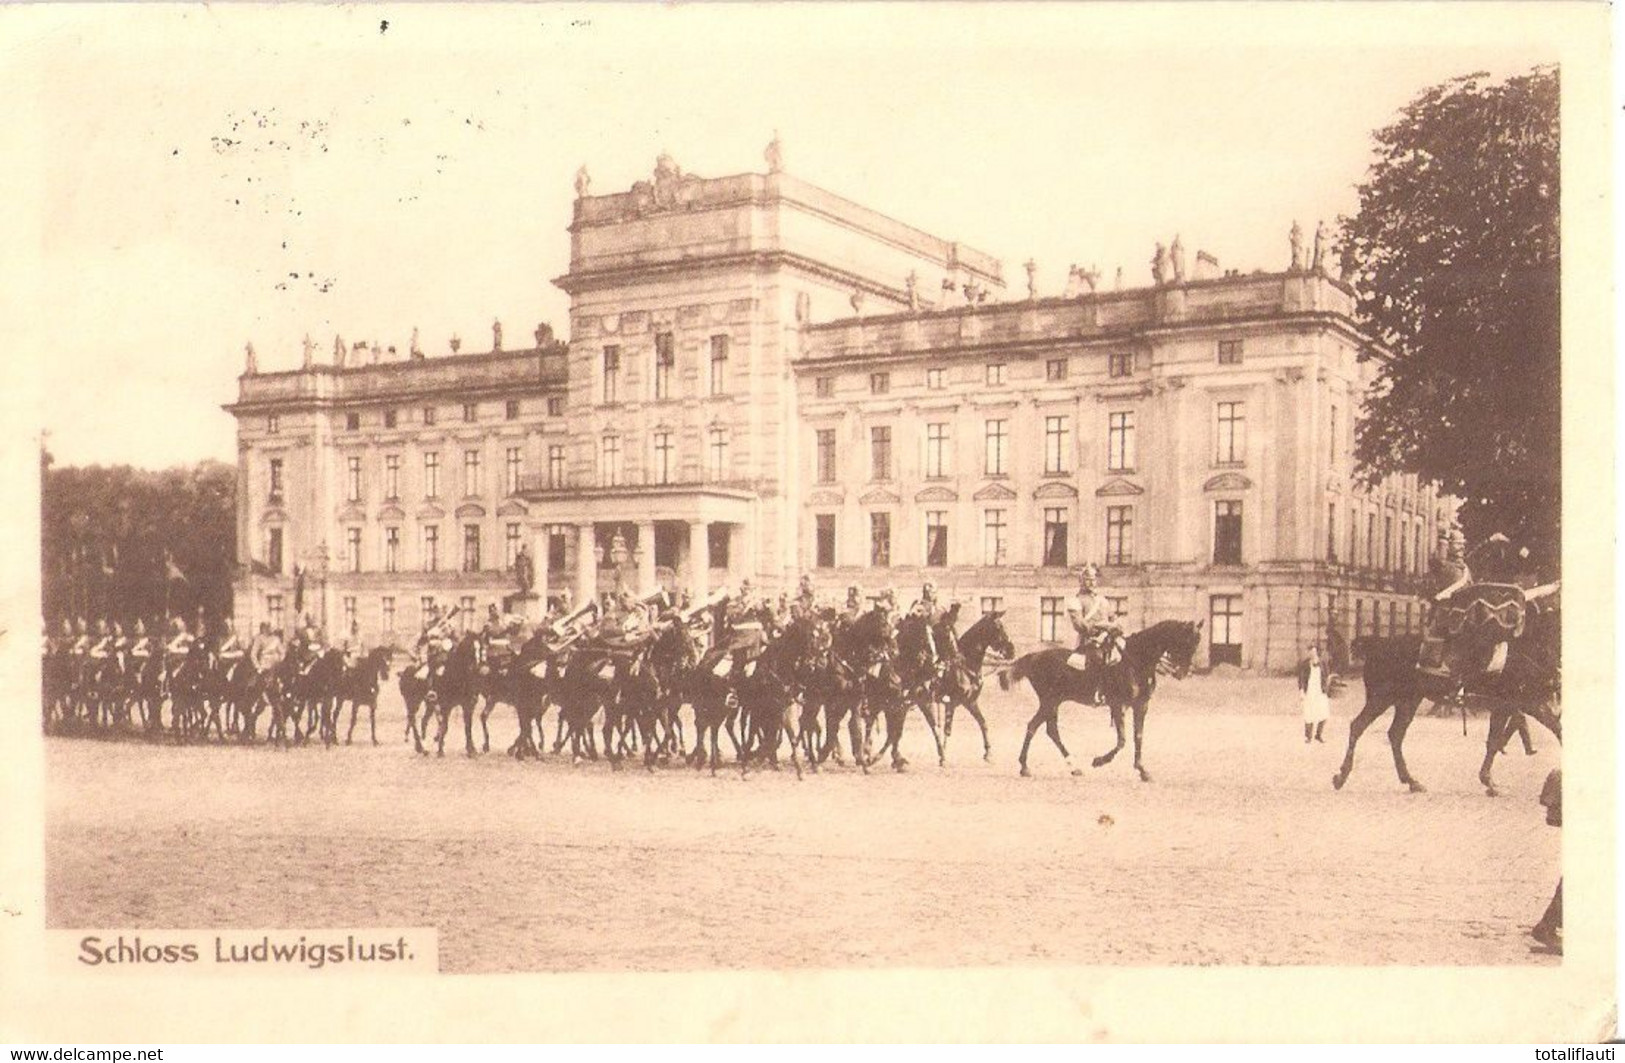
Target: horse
(358, 684)
(1126, 683)
(860, 649)
(1526, 685)
(918, 678)
(457, 685)
(961, 685)
(313, 692)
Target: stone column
(646, 558)
(586, 565)
(699, 560)
(539, 555)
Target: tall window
(995, 451)
(880, 540)
(880, 452)
(1055, 369)
(719, 365)
(389, 418)
(471, 548)
(1370, 540)
(513, 470)
(352, 549)
(665, 362)
(995, 374)
(995, 537)
(510, 546)
(1050, 611)
(609, 461)
(471, 412)
(428, 415)
(1387, 542)
(276, 480)
(349, 614)
(1119, 535)
(392, 477)
(1331, 448)
(824, 524)
(386, 609)
(556, 545)
(352, 422)
(1227, 532)
(1418, 558)
(465, 612)
(879, 383)
(555, 465)
(352, 479)
(273, 550)
(273, 611)
(1404, 552)
(471, 472)
(936, 450)
(1354, 536)
(1120, 363)
(1057, 439)
(1331, 531)
(392, 549)
(510, 409)
(612, 374)
(663, 455)
(1055, 536)
(936, 538)
(717, 448)
(1120, 441)
(934, 379)
(826, 455)
(431, 548)
(431, 475)
(1229, 352)
(718, 539)
(1230, 435)
(1224, 621)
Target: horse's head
(990, 631)
(378, 662)
(1182, 642)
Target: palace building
(765, 379)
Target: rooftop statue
(583, 182)
(251, 362)
(1296, 238)
(774, 154)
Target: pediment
(274, 515)
(512, 507)
(937, 494)
(471, 509)
(880, 497)
(1055, 489)
(827, 498)
(1118, 488)
(1228, 481)
(392, 513)
(995, 493)
(430, 511)
(352, 514)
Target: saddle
(1483, 613)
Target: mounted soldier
(931, 610)
(739, 634)
(806, 602)
(1475, 615)
(854, 604)
(1096, 630)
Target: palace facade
(765, 379)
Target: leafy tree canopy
(1455, 252)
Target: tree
(1455, 254)
(109, 536)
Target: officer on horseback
(1095, 630)
(854, 604)
(230, 648)
(928, 608)
(806, 602)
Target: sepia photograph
(912, 496)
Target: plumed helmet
(1089, 574)
(929, 590)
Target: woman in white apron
(1314, 686)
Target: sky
(204, 177)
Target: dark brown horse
(961, 685)
(1124, 684)
(1528, 684)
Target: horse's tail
(1014, 673)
